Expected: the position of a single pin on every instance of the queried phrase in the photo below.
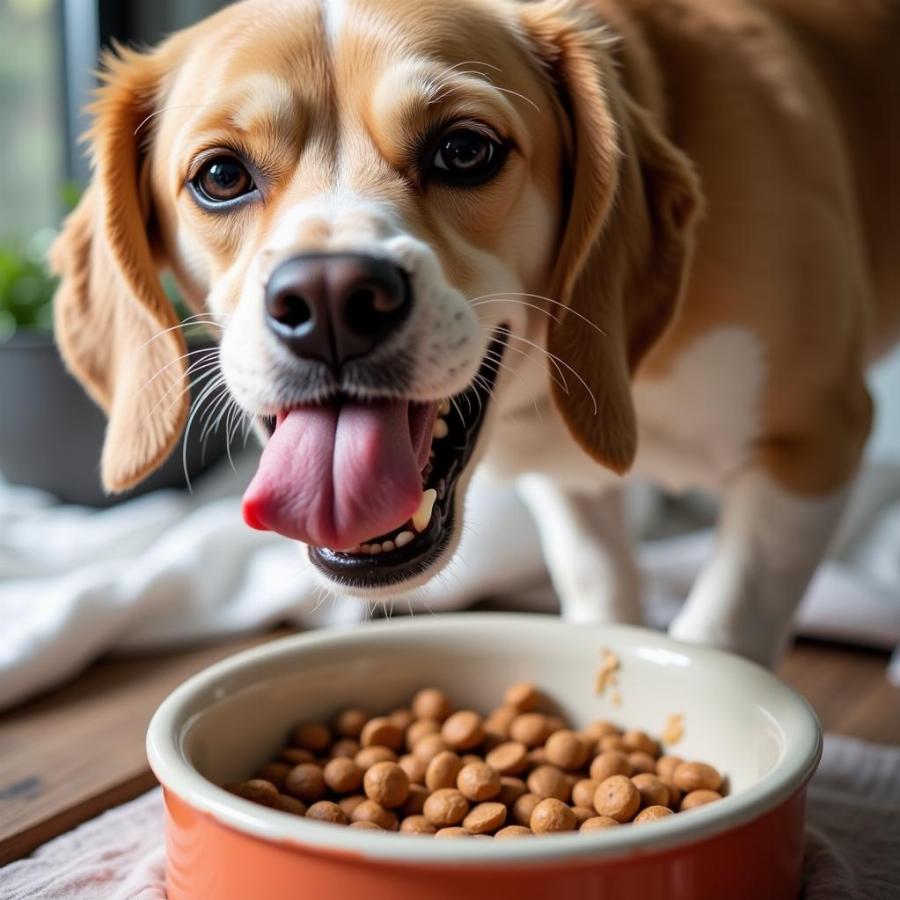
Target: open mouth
(439, 441)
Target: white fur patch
(335, 14)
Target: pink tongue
(337, 475)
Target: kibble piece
(513, 831)
(652, 813)
(612, 742)
(468, 758)
(430, 703)
(583, 792)
(349, 723)
(601, 729)
(530, 729)
(463, 730)
(640, 741)
(342, 775)
(293, 756)
(419, 729)
(642, 762)
(565, 748)
(548, 781)
(258, 790)
(598, 823)
(523, 697)
(311, 736)
(369, 826)
(498, 722)
(445, 807)
(370, 811)
(478, 781)
(402, 718)
(414, 767)
(326, 811)
(306, 782)
(453, 831)
(695, 776)
(653, 791)
(274, 772)
(618, 798)
(346, 747)
(699, 798)
(485, 818)
(582, 814)
(524, 807)
(429, 746)
(415, 802)
(381, 732)
(552, 815)
(348, 804)
(510, 790)
(612, 762)
(675, 795)
(368, 756)
(666, 766)
(386, 783)
(442, 770)
(536, 757)
(289, 804)
(554, 724)
(417, 825)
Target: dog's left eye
(222, 179)
(467, 157)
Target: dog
(563, 240)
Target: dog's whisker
(195, 408)
(486, 301)
(561, 381)
(168, 365)
(159, 112)
(564, 306)
(186, 384)
(189, 322)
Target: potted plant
(51, 433)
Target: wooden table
(68, 756)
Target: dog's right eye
(222, 179)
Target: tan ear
(633, 199)
(114, 325)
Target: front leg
(587, 551)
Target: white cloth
(172, 568)
(852, 846)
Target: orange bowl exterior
(760, 860)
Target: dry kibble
(386, 783)
(311, 736)
(642, 762)
(306, 782)
(348, 804)
(429, 746)
(258, 790)
(651, 813)
(445, 807)
(653, 791)
(555, 723)
(368, 756)
(524, 807)
(582, 814)
(347, 747)
(598, 823)
(370, 811)
(612, 742)
(414, 767)
(583, 792)
(468, 758)
(536, 757)
(368, 826)
(498, 722)
(381, 732)
(485, 818)
(419, 729)
(463, 730)
(566, 749)
(612, 762)
(674, 795)
(442, 770)
(478, 781)
(522, 697)
(507, 758)
(417, 824)
(293, 756)
(699, 798)
(430, 703)
(513, 831)
(326, 811)
(402, 718)
(289, 804)
(342, 775)
(601, 729)
(275, 772)
(530, 729)
(666, 766)
(552, 815)
(453, 831)
(696, 776)
(415, 802)
(510, 789)
(548, 781)
(349, 723)
(618, 798)
(641, 742)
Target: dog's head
(389, 208)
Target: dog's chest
(696, 424)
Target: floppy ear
(628, 237)
(114, 325)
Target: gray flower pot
(51, 433)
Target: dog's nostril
(291, 310)
(374, 308)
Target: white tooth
(404, 538)
(374, 549)
(387, 546)
(364, 548)
(440, 428)
(422, 515)
(443, 407)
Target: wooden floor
(80, 750)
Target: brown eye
(467, 157)
(222, 179)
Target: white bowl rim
(801, 756)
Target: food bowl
(222, 723)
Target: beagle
(565, 240)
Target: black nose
(336, 307)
